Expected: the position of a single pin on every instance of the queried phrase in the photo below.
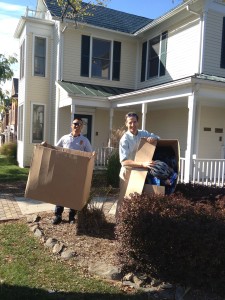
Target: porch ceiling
(85, 89)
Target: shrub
(173, 239)
(113, 169)
(9, 150)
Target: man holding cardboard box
(76, 141)
(127, 149)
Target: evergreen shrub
(113, 169)
(173, 238)
(9, 150)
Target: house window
(22, 59)
(38, 123)
(39, 56)
(20, 123)
(101, 59)
(222, 58)
(154, 52)
(105, 58)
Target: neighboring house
(170, 70)
(9, 116)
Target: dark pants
(59, 210)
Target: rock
(104, 270)
(38, 233)
(128, 277)
(50, 243)
(58, 248)
(33, 227)
(67, 254)
(138, 281)
(33, 218)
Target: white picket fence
(102, 156)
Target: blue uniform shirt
(79, 142)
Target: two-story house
(170, 70)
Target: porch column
(144, 112)
(190, 137)
(72, 108)
(111, 113)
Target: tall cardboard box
(146, 152)
(60, 176)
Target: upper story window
(22, 59)
(39, 56)
(100, 58)
(154, 54)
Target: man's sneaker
(57, 220)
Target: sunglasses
(131, 115)
(77, 124)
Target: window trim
(46, 56)
(145, 67)
(31, 120)
(22, 59)
(20, 129)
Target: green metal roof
(85, 89)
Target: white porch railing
(209, 171)
(102, 156)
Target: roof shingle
(106, 18)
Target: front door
(87, 121)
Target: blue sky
(12, 10)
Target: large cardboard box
(60, 176)
(146, 151)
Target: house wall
(209, 144)
(34, 89)
(182, 49)
(72, 57)
(169, 124)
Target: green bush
(9, 150)
(174, 239)
(113, 169)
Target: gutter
(165, 17)
(172, 84)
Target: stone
(50, 243)
(38, 233)
(58, 248)
(33, 218)
(67, 254)
(104, 270)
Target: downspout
(202, 34)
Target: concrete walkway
(13, 208)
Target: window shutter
(222, 58)
(143, 61)
(163, 53)
(85, 55)
(116, 60)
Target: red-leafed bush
(173, 238)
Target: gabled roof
(85, 89)
(105, 17)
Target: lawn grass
(29, 271)
(9, 171)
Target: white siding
(209, 144)
(72, 58)
(182, 52)
(213, 38)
